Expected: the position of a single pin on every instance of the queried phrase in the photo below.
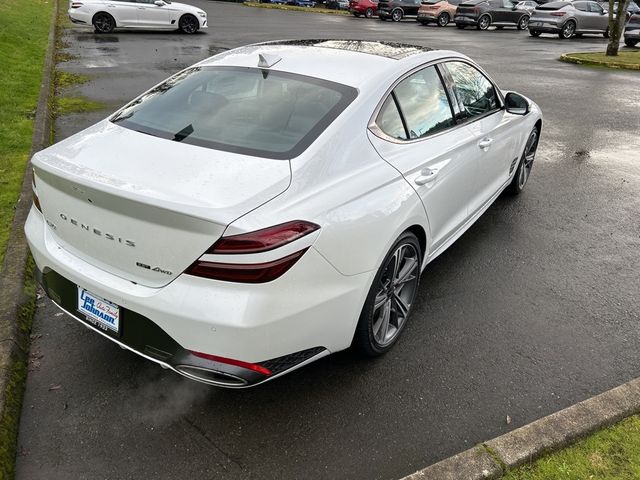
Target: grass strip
(626, 59)
(612, 454)
(294, 8)
(24, 30)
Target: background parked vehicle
(569, 19)
(632, 31)
(528, 5)
(439, 11)
(484, 13)
(396, 10)
(302, 3)
(338, 4)
(368, 8)
(632, 9)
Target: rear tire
(523, 23)
(103, 22)
(368, 12)
(629, 42)
(443, 19)
(188, 24)
(484, 22)
(391, 296)
(568, 30)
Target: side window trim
(401, 113)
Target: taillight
(245, 272)
(265, 239)
(36, 199)
(476, 9)
(76, 4)
(558, 14)
(236, 363)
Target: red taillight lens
(236, 363)
(245, 272)
(558, 14)
(265, 239)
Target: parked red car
(368, 8)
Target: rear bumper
(427, 17)
(78, 16)
(465, 20)
(544, 26)
(632, 34)
(309, 312)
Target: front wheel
(390, 298)
(523, 23)
(368, 12)
(188, 24)
(534, 33)
(484, 22)
(568, 30)
(396, 15)
(103, 23)
(526, 164)
(443, 19)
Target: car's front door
(511, 14)
(598, 17)
(415, 131)
(151, 15)
(125, 12)
(493, 130)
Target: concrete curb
(571, 58)
(14, 342)
(494, 458)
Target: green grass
(610, 454)
(24, 29)
(294, 8)
(629, 59)
(67, 105)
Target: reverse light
(558, 14)
(236, 363)
(265, 239)
(245, 272)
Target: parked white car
(106, 15)
(274, 203)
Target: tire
(103, 22)
(568, 30)
(523, 23)
(630, 42)
(460, 26)
(397, 15)
(526, 164)
(443, 19)
(534, 33)
(484, 22)
(368, 12)
(188, 24)
(605, 34)
(391, 296)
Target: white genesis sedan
(275, 203)
(107, 15)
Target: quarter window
(475, 93)
(424, 103)
(389, 120)
(582, 6)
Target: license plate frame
(99, 312)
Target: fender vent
(513, 165)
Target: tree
(616, 25)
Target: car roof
(350, 62)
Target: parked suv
(363, 7)
(632, 31)
(439, 11)
(396, 10)
(483, 13)
(569, 19)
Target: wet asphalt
(535, 308)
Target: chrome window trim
(377, 131)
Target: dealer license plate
(98, 311)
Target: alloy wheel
(568, 30)
(368, 12)
(529, 157)
(484, 22)
(103, 23)
(443, 20)
(396, 16)
(189, 24)
(524, 23)
(395, 295)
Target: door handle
(427, 175)
(485, 143)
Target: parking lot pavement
(535, 308)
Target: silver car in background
(569, 19)
(527, 5)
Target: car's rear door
(598, 19)
(493, 129)
(125, 12)
(415, 131)
(151, 15)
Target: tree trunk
(616, 26)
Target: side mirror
(516, 104)
(159, 3)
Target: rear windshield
(552, 6)
(242, 110)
